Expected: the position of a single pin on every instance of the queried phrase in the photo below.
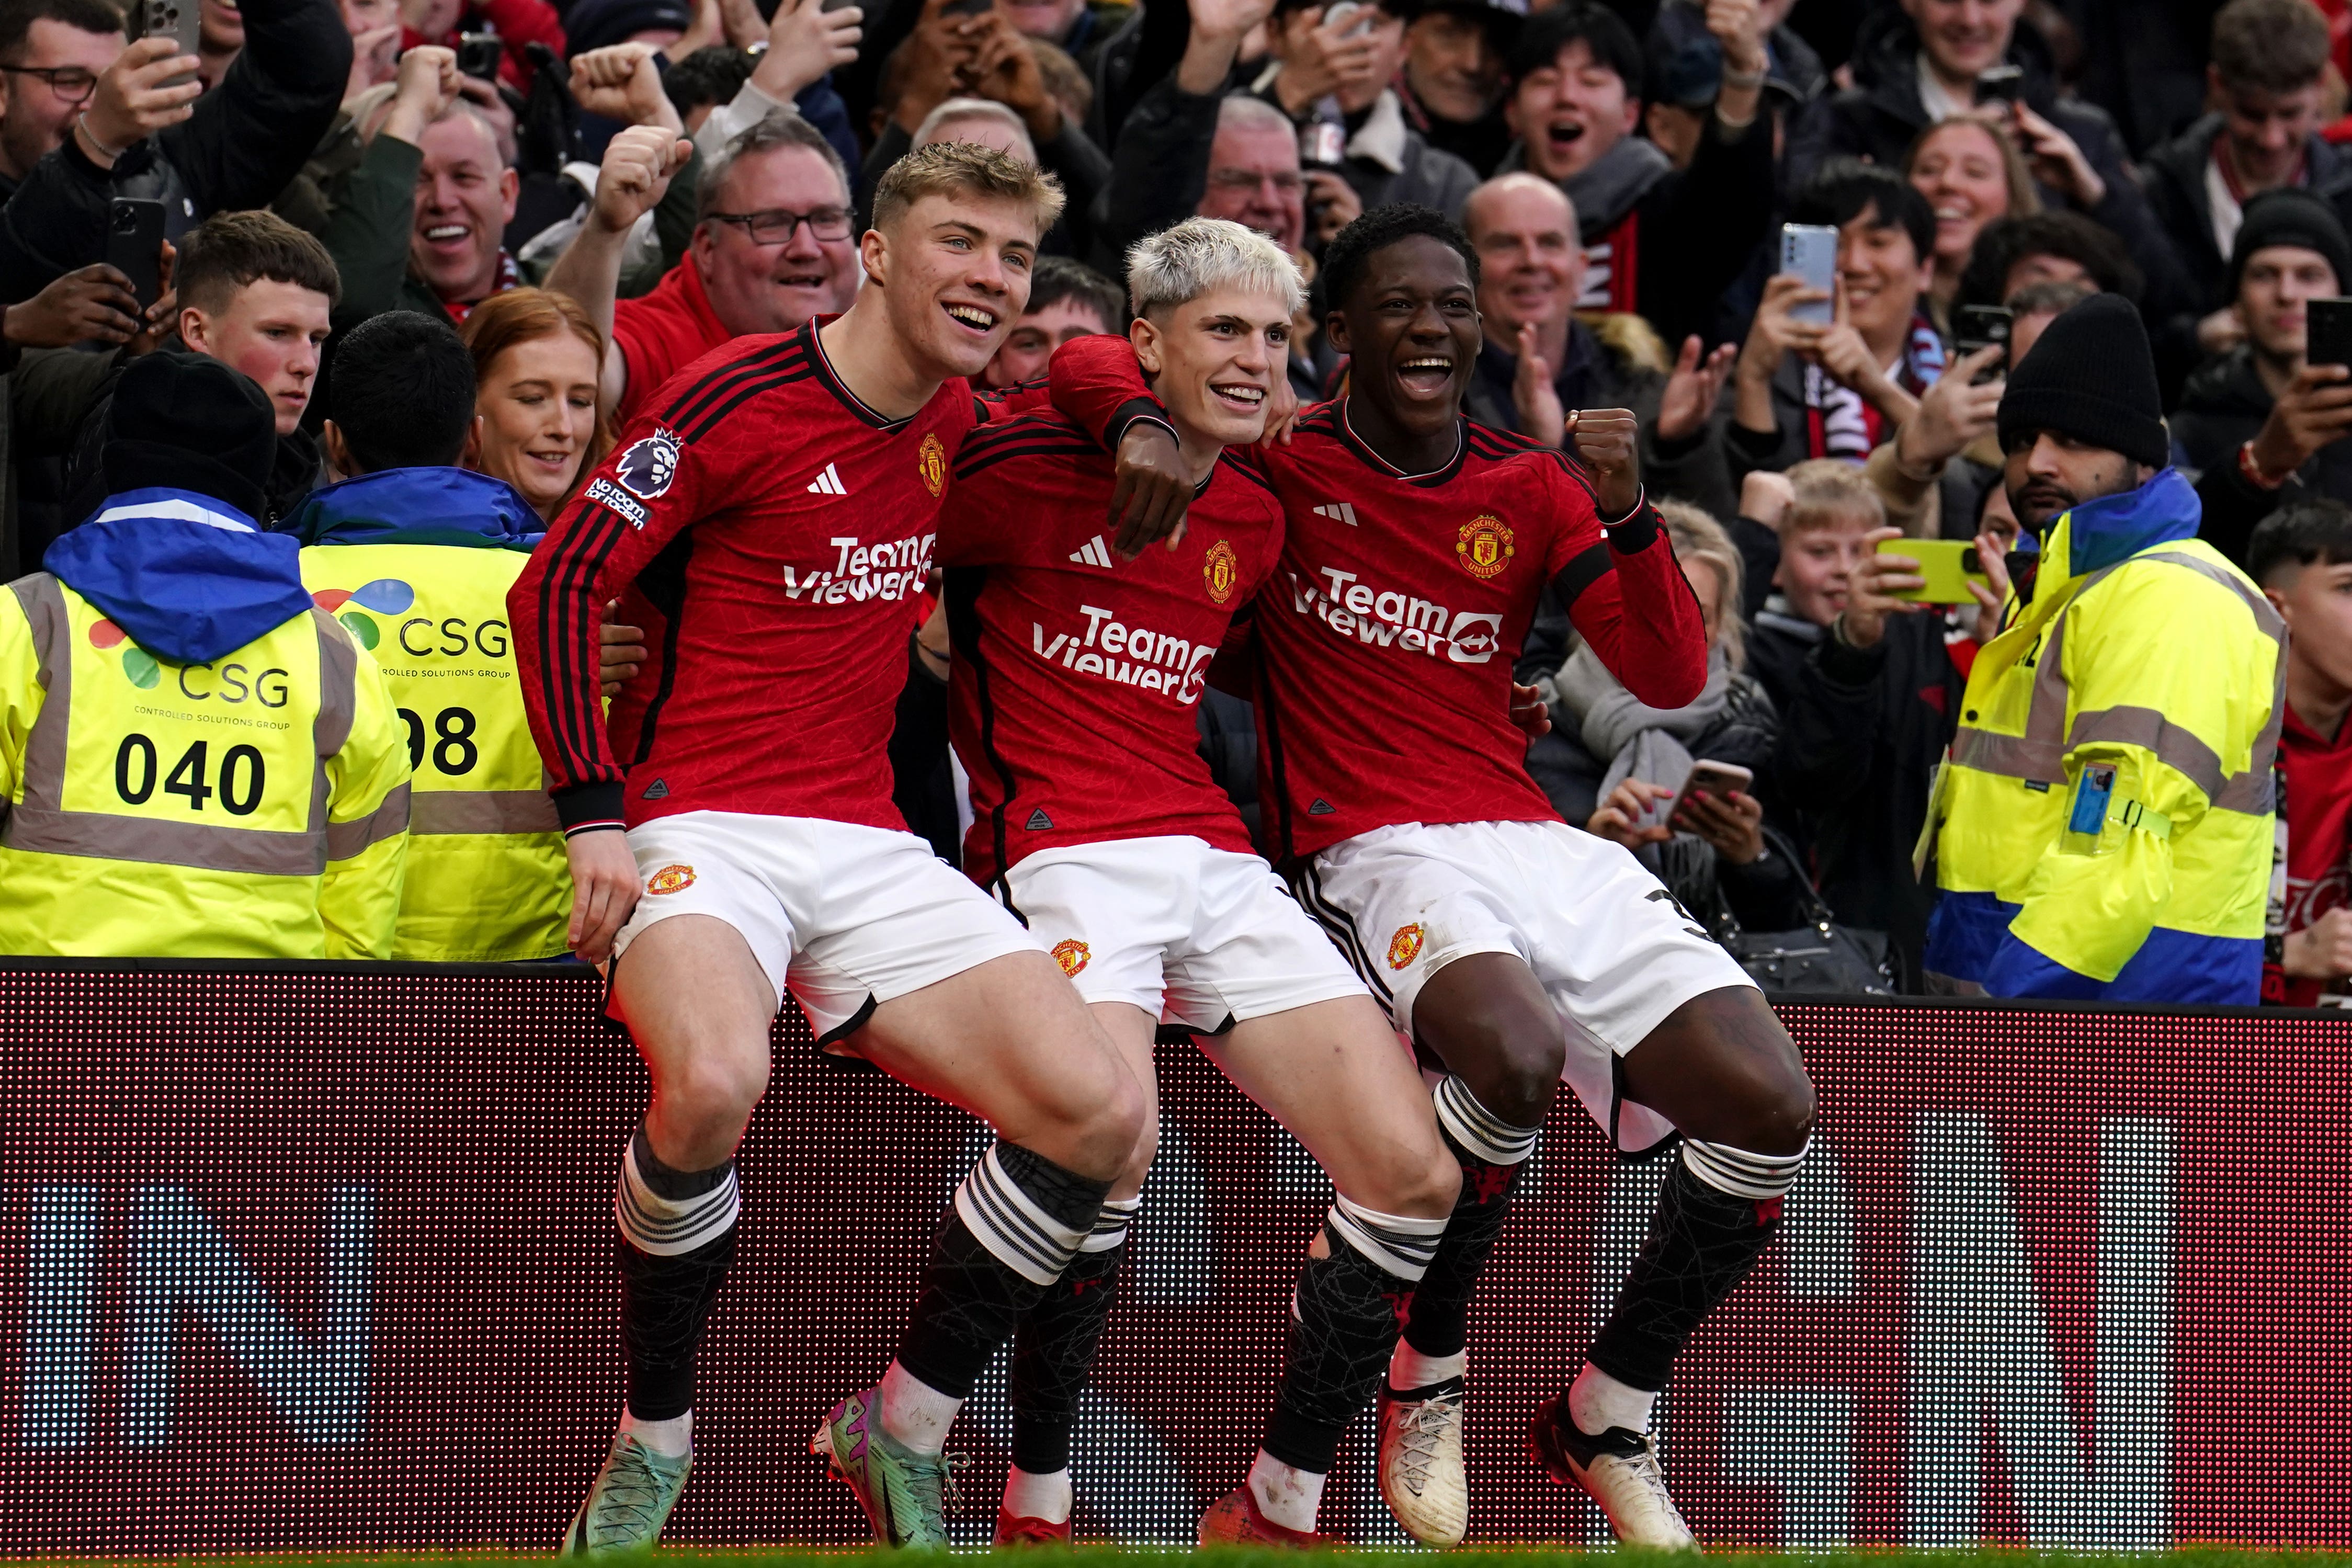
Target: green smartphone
(1949, 566)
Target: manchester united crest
(1221, 568)
(1484, 547)
(1405, 946)
(1072, 955)
(670, 880)
(931, 462)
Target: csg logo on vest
(234, 683)
(419, 636)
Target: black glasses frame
(783, 224)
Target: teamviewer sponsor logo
(1386, 618)
(1131, 656)
(860, 572)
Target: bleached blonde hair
(1201, 254)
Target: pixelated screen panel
(310, 1257)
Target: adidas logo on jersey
(1338, 512)
(1093, 552)
(828, 483)
(658, 790)
(1321, 807)
(1039, 821)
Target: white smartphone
(1810, 250)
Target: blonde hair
(964, 168)
(1697, 536)
(1201, 254)
(1830, 490)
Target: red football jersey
(1387, 635)
(779, 530)
(1077, 674)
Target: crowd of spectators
(589, 195)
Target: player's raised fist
(1608, 441)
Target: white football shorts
(1607, 942)
(1191, 934)
(843, 916)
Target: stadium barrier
(319, 1256)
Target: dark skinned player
(1513, 950)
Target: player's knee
(715, 1093)
(1780, 1115)
(1427, 1187)
(1107, 1130)
(1522, 1074)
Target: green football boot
(629, 1503)
(905, 1495)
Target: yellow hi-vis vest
(252, 807)
(2110, 779)
(488, 882)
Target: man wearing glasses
(774, 246)
(51, 53)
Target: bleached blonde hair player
(1097, 823)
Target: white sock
(1038, 1497)
(1597, 1402)
(672, 1439)
(1409, 1369)
(1291, 1498)
(916, 1415)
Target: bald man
(1540, 361)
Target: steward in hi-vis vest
(2102, 828)
(415, 564)
(194, 762)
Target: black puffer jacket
(247, 140)
(2222, 409)
(1861, 732)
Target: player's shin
(1492, 1152)
(1052, 1353)
(1344, 1321)
(678, 1237)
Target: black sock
(1701, 1242)
(1052, 1353)
(1016, 1222)
(1492, 1153)
(677, 1237)
(1344, 1329)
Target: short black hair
(1846, 188)
(711, 76)
(2304, 533)
(1351, 250)
(402, 393)
(1059, 277)
(2003, 243)
(1603, 32)
(17, 16)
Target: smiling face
(1570, 111)
(2267, 131)
(270, 333)
(37, 119)
(1029, 347)
(954, 270)
(1530, 266)
(1882, 272)
(757, 288)
(1452, 65)
(1411, 323)
(538, 408)
(2279, 281)
(1964, 37)
(465, 199)
(1958, 169)
(1214, 360)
